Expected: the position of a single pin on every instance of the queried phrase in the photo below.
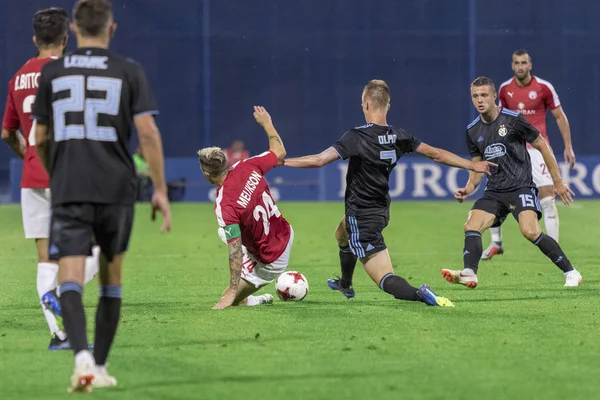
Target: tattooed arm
(235, 271)
(275, 144)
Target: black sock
(107, 320)
(552, 250)
(347, 263)
(73, 315)
(399, 288)
(473, 249)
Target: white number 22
(266, 212)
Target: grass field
(520, 335)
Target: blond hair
(378, 92)
(212, 161)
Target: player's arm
(325, 157)
(234, 242)
(563, 191)
(10, 126)
(445, 157)
(42, 144)
(565, 131)
(472, 184)
(42, 108)
(275, 144)
(151, 144)
(15, 141)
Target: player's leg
(347, 262)
(496, 247)
(543, 181)
(528, 217)
(488, 211)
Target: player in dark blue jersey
(373, 151)
(500, 135)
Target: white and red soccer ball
(291, 286)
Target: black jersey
(88, 99)
(373, 151)
(502, 142)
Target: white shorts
(35, 207)
(540, 173)
(260, 274)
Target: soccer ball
(291, 286)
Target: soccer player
(500, 135)
(259, 238)
(373, 150)
(50, 38)
(532, 97)
(84, 109)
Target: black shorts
(365, 233)
(502, 203)
(74, 226)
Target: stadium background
(307, 61)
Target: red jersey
(21, 96)
(245, 199)
(531, 100)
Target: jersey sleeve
(348, 145)
(42, 107)
(264, 162)
(10, 121)
(550, 96)
(407, 142)
(525, 130)
(142, 97)
(472, 147)
(225, 211)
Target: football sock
(496, 235)
(552, 250)
(107, 319)
(472, 251)
(399, 288)
(252, 301)
(347, 263)
(46, 281)
(73, 315)
(92, 264)
(550, 216)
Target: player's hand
(461, 194)
(226, 300)
(570, 157)
(160, 203)
(262, 116)
(564, 192)
(483, 167)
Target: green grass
(520, 335)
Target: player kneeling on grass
(258, 237)
(501, 135)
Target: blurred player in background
(500, 135)
(84, 109)
(373, 150)
(532, 97)
(259, 238)
(50, 27)
(236, 152)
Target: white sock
(101, 369)
(496, 235)
(52, 324)
(92, 264)
(84, 357)
(550, 216)
(252, 301)
(47, 280)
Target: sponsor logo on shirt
(494, 151)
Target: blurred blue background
(307, 61)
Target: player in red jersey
(532, 97)
(50, 27)
(258, 237)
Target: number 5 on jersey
(266, 212)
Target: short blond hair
(378, 92)
(212, 161)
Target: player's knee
(530, 234)
(43, 258)
(471, 226)
(341, 236)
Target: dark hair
(92, 16)
(482, 81)
(522, 52)
(378, 92)
(50, 26)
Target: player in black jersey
(84, 109)
(373, 150)
(500, 135)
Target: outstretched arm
(275, 144)
(441, 156)
(314, 161)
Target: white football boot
(573, 278)
(461, 276)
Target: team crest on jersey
(533, 95)
(502, 131)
